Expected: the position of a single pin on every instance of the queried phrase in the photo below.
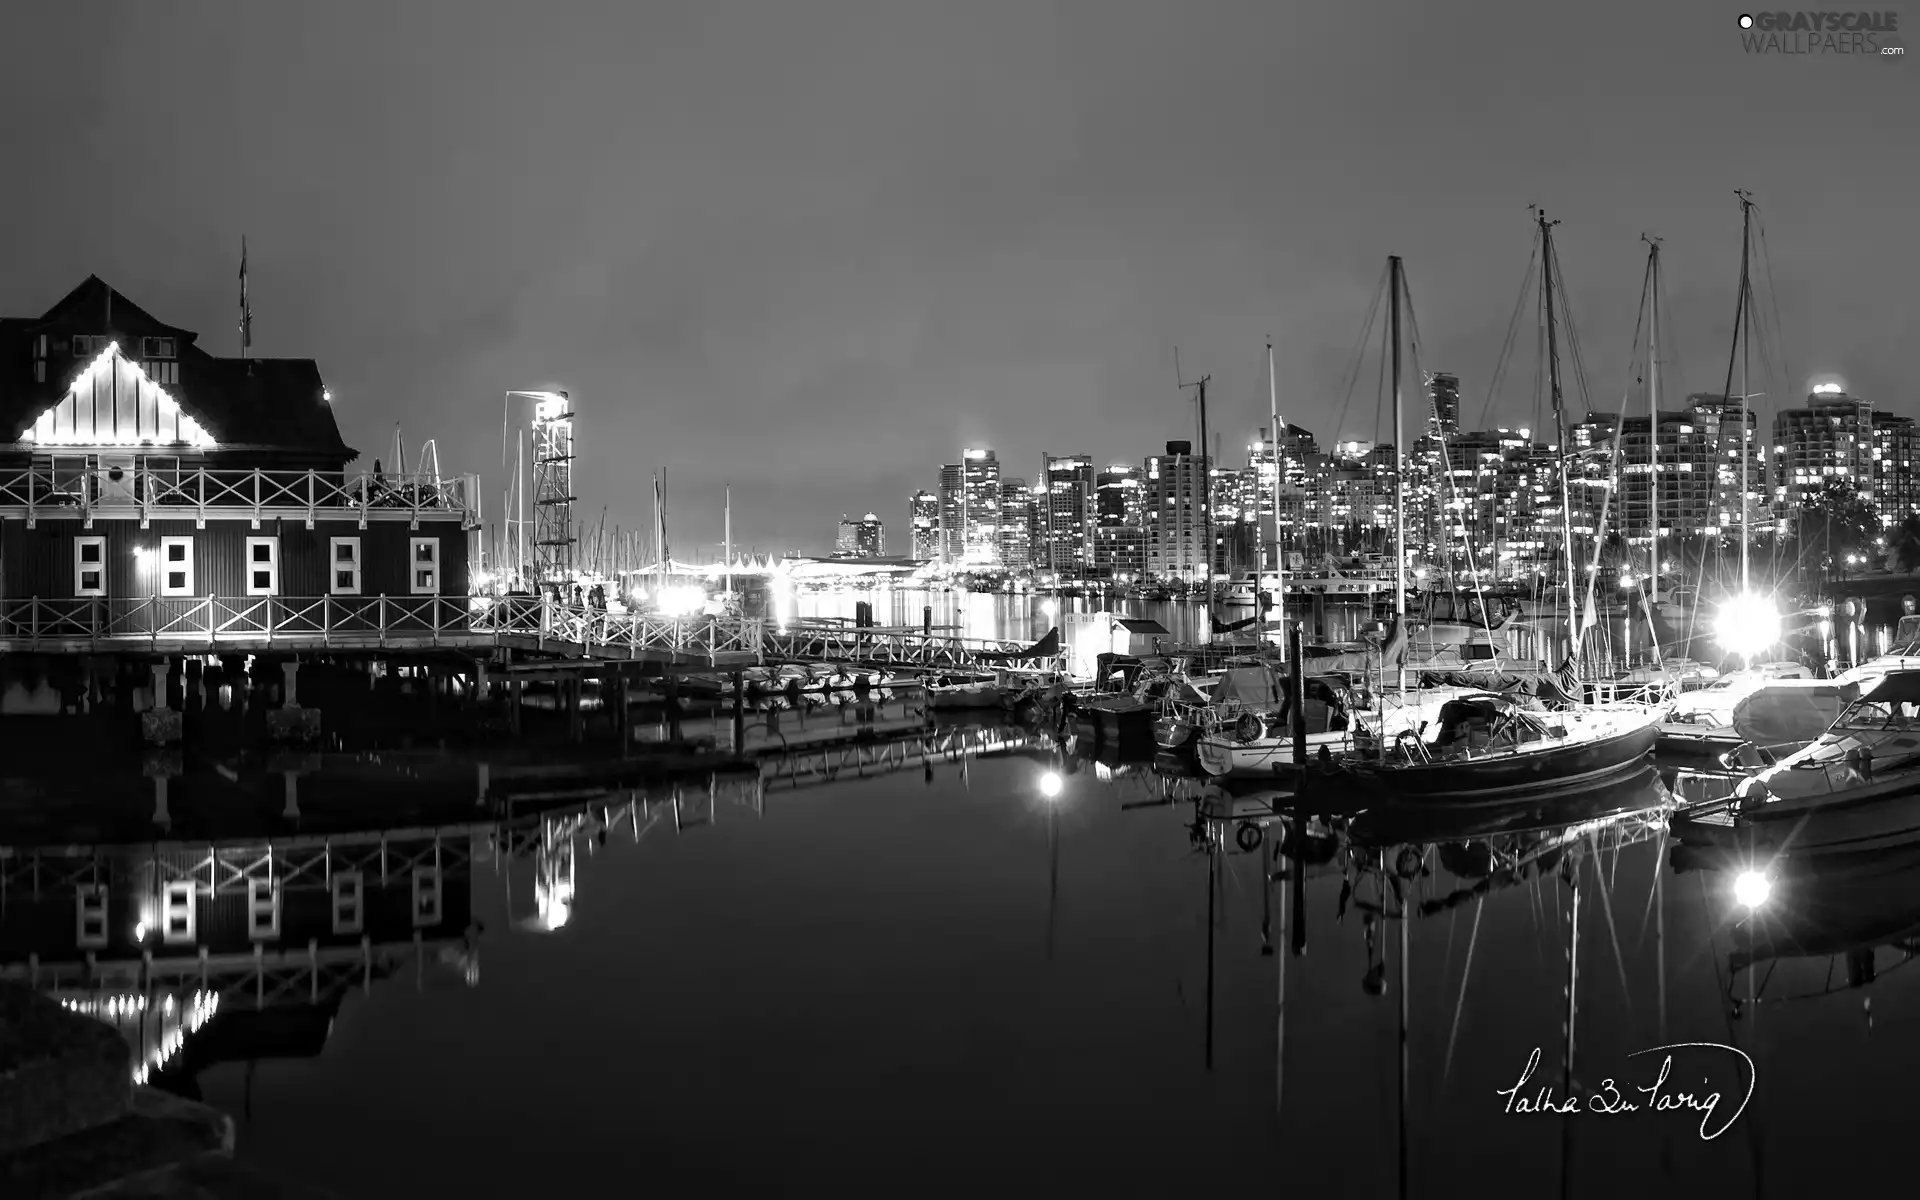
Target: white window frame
(166, 544)
(416, 565)
(81, 567)
(271, 566)
(157, 347)
(336, 565)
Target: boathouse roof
(259, 403)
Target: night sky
(812, 249)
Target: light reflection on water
(952, 966)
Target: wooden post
(739, 714)
(514, 691)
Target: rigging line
(1613, 931)
(1473, 569)
(1459, 1004)
(1773, 295)
(1351, 379)
(1501, 363)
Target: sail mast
(1653, 411)
(1279, 568)
(1746, 396)
(727, 574)
(1394, 284)
(1559, 420)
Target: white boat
(1702, 721)
(1855, 788)
(1256, 745)
(965, 692)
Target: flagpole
(246, 310)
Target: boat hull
(1874, 817)
(983, 695)
(1499, 778)
(1117, 724)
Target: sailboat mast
(1279, 553)
(727, 574)
(1746, 395)
(1399, 479)
(1559, 420)
(1206, 496)
(1653, 412)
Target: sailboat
(1487, 748)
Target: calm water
(913, 983)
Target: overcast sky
(812, 248)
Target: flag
(246, 310)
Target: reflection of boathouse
(191, 947)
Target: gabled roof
(271, 403)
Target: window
(156, 347)
(344, 556)
(70, 475)
(263, 566)
(85, 344)
(90, 566)
(176, 566)
(424, 564)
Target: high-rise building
(864, 538)
(953, 512)
(1065, 520)
(1176, 519)
(924, 516)
(1443, 391)
(1831, 440)
(1119, 533)
(982, 489)
(1730, 414)
(1016, 525)
(1895, 493)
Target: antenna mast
(1653, 410)
(1559, 416)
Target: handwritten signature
(1611, 1099)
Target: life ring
(1407, 863)
(1249, 836)
(1248, 728)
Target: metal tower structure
(553, 538)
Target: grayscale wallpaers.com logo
(1874, 33)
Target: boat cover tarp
(1541, 686)
(1791, 711)
(1253, 687)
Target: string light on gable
(61, 425)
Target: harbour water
(945, 977)
(935, 970)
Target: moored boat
(1856, 788)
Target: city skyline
(839, 265)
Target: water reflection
(976, 945)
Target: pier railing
(147, 491)
(209, 624)
(903, 647)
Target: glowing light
(1626, 581)
(1751, 889)
(680, 601)
(1746, 625)
(140, 932)
(1050, 785)
(186, 430)
(555, 904)
(1049, 607)
(326, 395)
(1827, 389)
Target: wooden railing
(191, 624)
(146, 492)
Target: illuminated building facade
(142, 469)
(1831, 440)
(1065, 518)
(923, 515)
(953, 512)
(981, 492)
(1016, 523)
(864, 538)
(1895, 495)
(1176, 513)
